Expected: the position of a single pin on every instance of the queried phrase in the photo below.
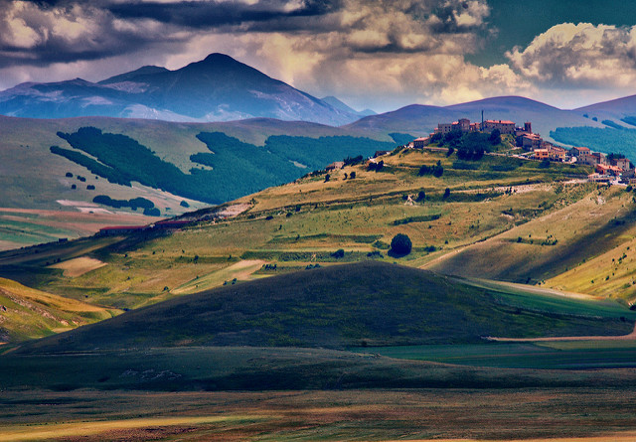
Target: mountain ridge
(217, 88)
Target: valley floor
(580, 414)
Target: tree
(612, 156)
(421, 196)
(446, 193)
(495, 137)
(151, 212)
(401, 244)
(340, 253)
(352, 175)
(453, 136)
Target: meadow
(560, 414)
(290, 319)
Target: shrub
(338, 254)
(401, 244)
(184, 204)
(376, 166)
(437, 170)
(69, 175)
(352, 175)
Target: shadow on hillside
(393, 254)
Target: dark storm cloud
(357, 47)
(194, 14)
(60, 31)
(43, 32)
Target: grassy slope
(44, 182)
(339, 306)
(601, 222)
(292, 226)
(27, 141)
(34, 179)
(29, 314)
(159, 347)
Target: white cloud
(579, 55)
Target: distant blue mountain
(422, 119)
(218, 88)
(333, 101)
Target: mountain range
(220, 88)
(217, 88)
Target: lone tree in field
(401, 244)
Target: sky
(378, 54)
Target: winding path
(629, 337)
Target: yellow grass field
(48, 299)
(564, 415)
(30, 314)
(79, 266)
(242, 271)
(95, 428)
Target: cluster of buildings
(464, 125)
(524, 136)
(608, 168)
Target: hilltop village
(611, 168)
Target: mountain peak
(219, 58)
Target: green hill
(340, 306)
(56, 165)
(26, 313)
(288, 227)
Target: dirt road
(629, 337)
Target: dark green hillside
(237, 168)
(609, 139)
(367, 303)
